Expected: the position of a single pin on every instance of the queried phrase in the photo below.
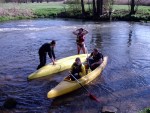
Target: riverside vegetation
(15, 11)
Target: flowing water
(124, 83)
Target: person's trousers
(91, 61)
(42, 58)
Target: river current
(124, 83)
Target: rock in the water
(10, 103)
(109, 109)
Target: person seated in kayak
(95, 59)
(44, 49)
(80, 33)
(77, 69)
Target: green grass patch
(52, 9)
(47, 12)
(146, 110)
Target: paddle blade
(94, 98)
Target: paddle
(90, 95)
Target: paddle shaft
(79, 82)
(90, 95)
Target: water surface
(124, 84)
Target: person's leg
(42, 58)
(84, 48)
(94, 66)
(79, 48)
(90, 62)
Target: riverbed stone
(109, 109)
(10, 103)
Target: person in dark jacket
(44, 49)
(95, 59)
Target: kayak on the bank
(61, 65)
(67, 86)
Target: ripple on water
(126, 74)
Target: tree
(132, 11)
(97, 8)
(94, 8)
(82, 6)
(133, 6)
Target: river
(124, 83)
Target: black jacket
(47, 48)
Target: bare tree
(133, 4)
(132, 11)
(82, 6)
(97, 8)
(94, 8)
(101, 7)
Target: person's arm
(83, 71)
(52, 55)
(75, 32)
(100, 60)
(102, 57)
(90, 55)
(84, 32)
(71, 69)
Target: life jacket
(76, 68)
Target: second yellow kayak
(61, 65)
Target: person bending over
(43, 50)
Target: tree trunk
(98, 8)
(101, 7)
(94, 8)
(82, 5)
(132, 11)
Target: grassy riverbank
(11, 11)
(146, 110)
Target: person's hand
(92, 64)
(69, 72)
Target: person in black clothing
(95, 59)
(44, 49)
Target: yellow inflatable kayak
(61, 65)
(67, 86)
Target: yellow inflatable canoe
(67, 86)
(61, 65)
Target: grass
(9, 11)
(146, 110)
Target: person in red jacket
(80, 33)
(44, 49)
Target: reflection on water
(125, 78)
